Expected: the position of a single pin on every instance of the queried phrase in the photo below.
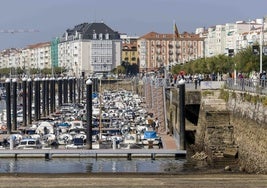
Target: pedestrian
(195, 80)
(156, 124)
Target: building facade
(157, 50)
(89, 48)
(230, 38)
(129, 49)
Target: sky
(51, 18)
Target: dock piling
(129, 156)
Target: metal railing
(258, 86)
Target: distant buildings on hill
(95, 48)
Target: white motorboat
(29, 143)
(64, 138)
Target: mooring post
(29, 106)
(79, 90)
(59, 91)
(65, 90)
(35, 99)
(181, 85)
(8, 105)
(44, 90)
(129, 156)
(71, 89)
(48, 156)
(89, 113)
(153, 156)
(38, 98)
(14, 104)
(53, 88)
(74, 90)
(24, 101)
(51, 94)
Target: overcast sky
(53, 17)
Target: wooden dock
(93, 153)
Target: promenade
(133, 180)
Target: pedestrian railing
(258, 86)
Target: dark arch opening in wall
(192, 113)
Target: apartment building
(10, 58)
(230, 38)
(37, 56)
(156, 50)
(89, 48)
(129, 49)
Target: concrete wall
(238, 124)
(214, 133)
(250, 132)
(225, 128)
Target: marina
(120, 126)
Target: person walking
(156, 124)
(195, 80)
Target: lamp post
(261, 43)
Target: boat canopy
(150, 135)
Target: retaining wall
(250, 132)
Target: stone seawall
(250, 132)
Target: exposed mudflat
(215, 180)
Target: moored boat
(29, 143)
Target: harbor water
(91, 165)
(99, 165)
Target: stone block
(230, 152)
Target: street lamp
(261, 43)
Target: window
(94, 36)
(100, 36)
(107, 36)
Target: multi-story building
(230, 38)
(96, 48)
(157, 50)
(89, 48)
(38, 56)
(129, 49)
(215, 41)
(9, 58)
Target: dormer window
(107, 36)
(94, 35)
(100, 36)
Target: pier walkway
(168, 141)
(129, 153)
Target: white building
(215, 41)
(89, 48)
(230, 38)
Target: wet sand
(137, 180)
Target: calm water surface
(87, 165)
